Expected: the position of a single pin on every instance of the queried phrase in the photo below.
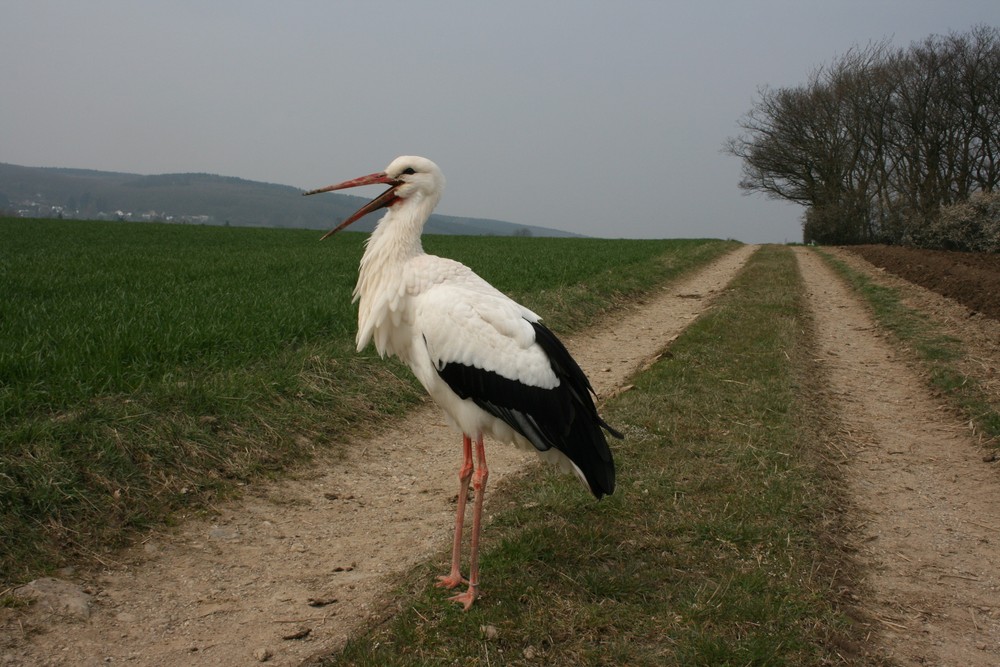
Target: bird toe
(465, 599)
(450, 581)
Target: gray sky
(601, 118)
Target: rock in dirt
(300, 633)
(223, 533)
(58, 597)
(321, 601)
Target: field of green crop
(150, 368)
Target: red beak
(387, 198)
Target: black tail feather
(585, 445)
(563, 417)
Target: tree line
(882, 140)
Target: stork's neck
(397, 235)
(395, 241)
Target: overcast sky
(601, 118)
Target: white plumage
(487, 361)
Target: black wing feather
(563, 417)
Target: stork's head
(410, 178)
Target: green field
(146, 368)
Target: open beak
(387, 198)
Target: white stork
(489, 362)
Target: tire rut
(929, 530)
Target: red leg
(479, 484)
(454, 578)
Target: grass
(939, 353)
(146, 369)
(714, 550)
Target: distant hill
(203, 199)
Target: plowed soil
(972, 279)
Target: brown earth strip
(972, 279)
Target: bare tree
(879, 140)
(820, 145)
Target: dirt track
(928, 525)
(222, 592)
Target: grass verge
(147, 369)
(717, 547)
(938, 352)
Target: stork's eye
(409, 170)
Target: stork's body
(487, 361)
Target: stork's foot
(450, 581)
(467, 598)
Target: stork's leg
(454, 578)
(479, 484)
